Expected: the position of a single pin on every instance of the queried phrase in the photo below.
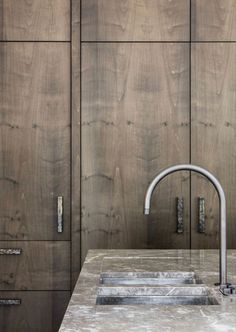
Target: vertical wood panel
(135, 122)
(135, 20)
(34, 161)
(213, 20)
(35, 20)
(34, 139)
(213, 135)
(75, 80)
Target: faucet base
(228, 289)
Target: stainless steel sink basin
(149, 278)
(159, 295)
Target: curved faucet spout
(221, 194)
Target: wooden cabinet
(35, 20)
(213, 115)
(35, 140)
(36, 312)
(147, 105)
(35, 163)
(132, 20)
(135, 122)
(213, 135)
(35, 265)
(213, 20)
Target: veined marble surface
(84, 315)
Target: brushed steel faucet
(225, 287)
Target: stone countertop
(84, 315)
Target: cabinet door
(213, 136)
(40, 20)
(135, 122)
(32, 311)
(34, 140)
(135, 20)
(35, 265)
(213, 20)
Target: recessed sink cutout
(149, 278)
(155, 295)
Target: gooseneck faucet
(223, 247)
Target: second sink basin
(149, 278)
(160, 295)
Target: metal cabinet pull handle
(180, 214)
(59, 214)
(201, 215)
(10, 302)
(10, 251)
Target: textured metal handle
(180, 215)
(201, 215)
(10, 302)
(10, 251)
(59, 214)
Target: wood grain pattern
(42, 265)
(39, 311)
(34, 139)
(213, 20)
(35, 20)
(213, 135)
(135, 20)
(135, 122)
(75, 217)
